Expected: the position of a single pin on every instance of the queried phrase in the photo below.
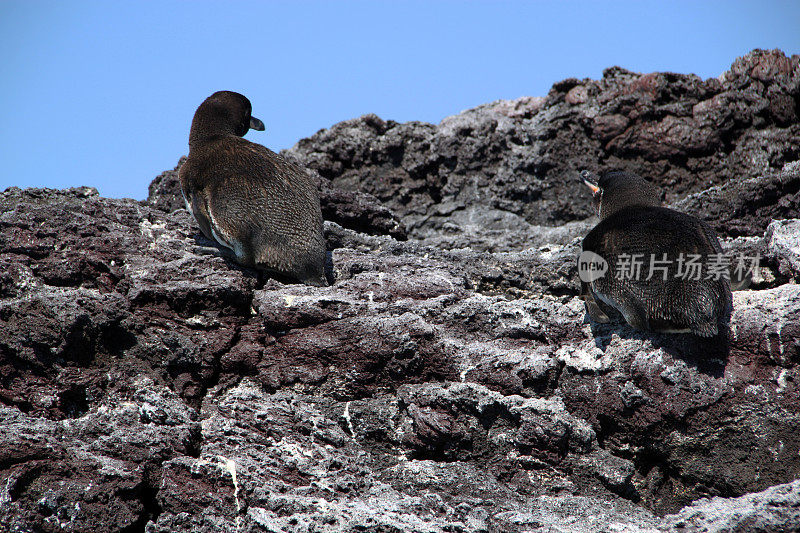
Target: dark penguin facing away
(667, 245)
(263, 210)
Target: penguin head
(223, 113)
(616, 190)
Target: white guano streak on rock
(229, 465)
(349, 420)
(463, 374)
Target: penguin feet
(214, 250)
(592, 309)
(595, 313)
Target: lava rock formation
(448, 380)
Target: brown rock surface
(446, 383)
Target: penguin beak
(256, 124)
(594, 188)
(589, 179)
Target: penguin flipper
(209, 224)
(635, 315)
(197, 207)
(232, 245)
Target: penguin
(667, 292)
(262, 210)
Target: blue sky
(102, 93)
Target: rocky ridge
(514, 164)
(448, 382)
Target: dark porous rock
(164, 192)
(447, 382)
(97, 472)
(522, 157)
(783, 245)
(745, 207)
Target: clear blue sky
(102, 93)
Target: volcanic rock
(448, 382)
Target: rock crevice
(448, 380)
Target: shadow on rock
(709, 355)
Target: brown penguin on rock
(261, 209)
(666, 292)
